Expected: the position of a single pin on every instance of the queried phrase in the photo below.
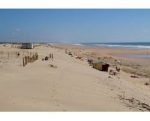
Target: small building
(27, 46)
(101, 66)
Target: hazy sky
(75, 25)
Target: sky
(75, 25)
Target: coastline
(137, 63)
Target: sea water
(134, 45)
(129, 45)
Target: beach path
(71, 86)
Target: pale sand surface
(72, 86)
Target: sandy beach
(68, 83)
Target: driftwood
(134, 76)
(146, 83)
(117, 69)
(132, 102)
(46, 58)
(112, 72)
(53, 66)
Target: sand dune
(72, 85)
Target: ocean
(130, 45)
(134, 45)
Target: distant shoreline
(128, 45)
(132, 45)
